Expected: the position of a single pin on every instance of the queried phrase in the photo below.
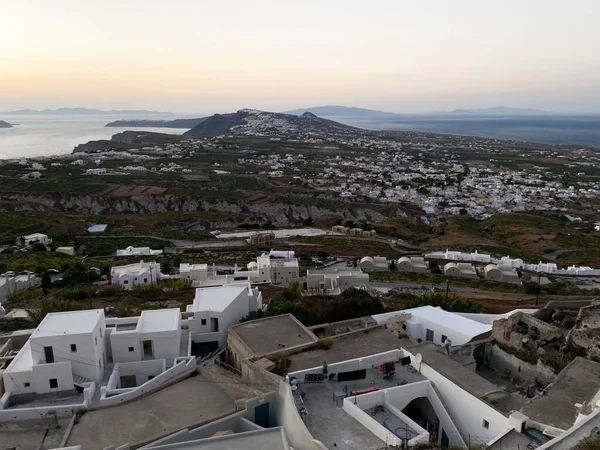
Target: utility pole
(537, 293)
(446, 299)
(89, 287)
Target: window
(125, 281)
(444, 337)
(130, 349)
(53, 383)
(486, 424)
(150, 377)
(203, 322)
(429, 335)
(73, 347)
(26, 384)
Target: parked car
(8, 273)
(53, 271)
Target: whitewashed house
(336, 281)
(193, 272)
(460, 270)
(374, 264)
(29, 240)
(138, 251)
(131, 275)
(66, 349)
(271, 270)
(155, 334)
(215, 309)
(97, 171)
(433, 324)
(415, 264)
(502, 273)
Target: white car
(8, 273)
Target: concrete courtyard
(185, 404)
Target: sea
(548, 129)
(46, 135)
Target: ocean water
(567, 130)
(46, 135)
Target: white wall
(386, 436)
(467, 410)
(288, 417)
(87, 361)
(61, 371)
(121, 341)
(15, 382)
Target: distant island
(177, 123)
(362, 113)
(4, 124)
(342, 111)
(82, 111)
(502, 111)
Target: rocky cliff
(4, 124)
(217, 213)
(177, 123)
(127, 140)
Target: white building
(155, 334)
(433, 324)
(98, 171)
(415, 264)
(215, 309)
(336, 281)
(135, 274)
(31, 239)
(138, 251)
(66, 250)
(460, 270)
(501, 273)
(270, 270)
(67, 348)
(374, 264)
(193, 272)
(8, 285)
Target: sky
(201, 56)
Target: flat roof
(216, 298)
(444, 318)
(357, 345)
(159, 320)
(471, 382)
(579, 382)
(267, 335)
(267, 439)
(98, 228)
(69, 322)
(187, 266)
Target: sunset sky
(216, 56)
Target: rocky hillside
(218, 213)
(253, 122)
(177, 123)
(4, 124)
(127, 140)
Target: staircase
(78, 380)
(439, 395)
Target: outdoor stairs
(437, 392)
(78, 380)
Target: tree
(46, 282)
(393, 265)
(308, 221)
(165, 266)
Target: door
(49, 354)
(128, 381)
(261, 415)
(214, 324)
(429, 335)
(147, 346)
(445, 441)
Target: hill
(501, 111)
(252, 122)
(82, 111)
(4, 124)
(342, 111)
(177, 123)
